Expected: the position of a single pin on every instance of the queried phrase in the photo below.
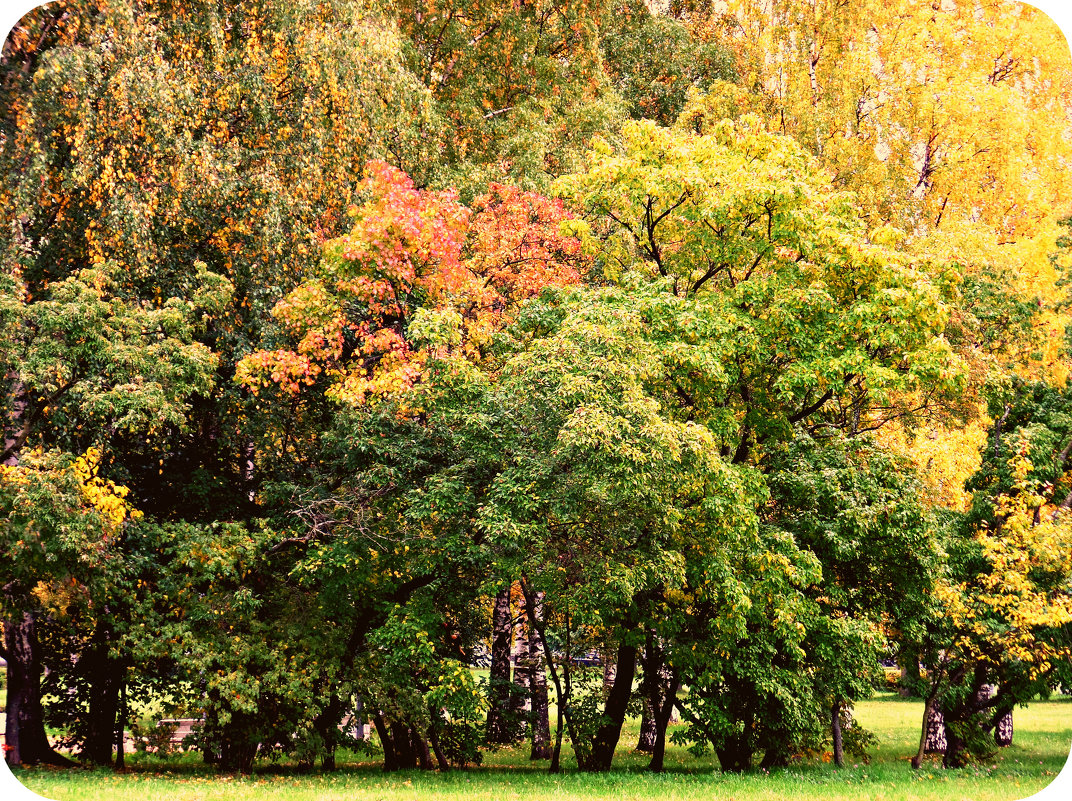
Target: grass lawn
(1041, 746)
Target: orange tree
(419, 280)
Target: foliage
(654, 61)
(321, 322)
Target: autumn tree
(145, 139)
(653, 60)
(419, 279)
(798, 317)
(1007, 607)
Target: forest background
(928, 306)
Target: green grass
(1043, 735)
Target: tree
(420, 281)
(795, 317)
(653, 61)
(929, 113)
(518, 86)
(1006, 604)
(859, 509)
(144, 138)
(84, 363)
(599, 528)
(820, 321)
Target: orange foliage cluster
(413, 249)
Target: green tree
(653, 60)
(82, 364)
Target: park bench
(183, 727)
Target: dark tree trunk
(437, 749)
(209, 754)
(607, 735)
(27, 743)
(238, 748)
(24, 731)
(420, 745)
(104, 677)
(500, 729)
(390, 758)
(659, 689)
(956, 748)
(774, 757)
(120, 728)
(735, 755)
(963, 715)
(541, 726)
(326, 725)
(662, 715)
(835, 731)
(405, 753)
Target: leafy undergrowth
(1041, 747)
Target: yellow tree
(931, 112)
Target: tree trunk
(562, 684)
(248, 467)
(326, 724)
(960, 717)
(27, 743)
(420, 745)
(209, 754)
(500, 730)
(238, 748)
(1003, 732)
(104, 680)
(120, 728)
(835, 731)
(607, 736)
(935, 736)
(15, 427)
(956, 748)
(24, 731)
(659, 690)
(648, 729)
(541, 726)
(932, 733)
(520, 693)
(735, 755)
(390, 758)
(662, 715)
(437, 749)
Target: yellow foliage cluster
(1001, 613)
(944, 455)
(106, 497)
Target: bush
(154, 738)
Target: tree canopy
(346, 346)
